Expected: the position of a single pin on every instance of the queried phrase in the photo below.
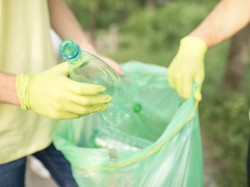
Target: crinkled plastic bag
(174, 159)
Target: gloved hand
(53, 94)
(188, 65)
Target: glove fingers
(197, 95)
(178, 84)
(83, 88)
(187, 87)
(170, 78)
(88, 100)
(199, 78)
(79, 109)
(67, 115)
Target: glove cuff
(194, 44)
(22, 84)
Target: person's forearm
(8, 92)
(66, 26)
(228, 17)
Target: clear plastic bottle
(87, 68)
(106, 137)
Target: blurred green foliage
(167, 24)
(153, 37)
(100, 12)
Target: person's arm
(8, 92)
(227, 18)
(53, 94)
(66, 26)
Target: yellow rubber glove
(188, 65)
(53, 94)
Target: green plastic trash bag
(173, 159)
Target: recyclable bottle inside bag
(106, 137)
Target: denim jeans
(12, 173)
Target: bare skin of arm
(66, 26)
(8, 92)
(227, 18)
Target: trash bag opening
(162, 116)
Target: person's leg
(58, 166)
(12, 173)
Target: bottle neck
(79, 61)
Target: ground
(34, 180)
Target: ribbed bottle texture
(106, 137)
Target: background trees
(149, 31)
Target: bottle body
(90, 69)
(106, 137)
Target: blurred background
(150, 31)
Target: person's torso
(25, 47)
